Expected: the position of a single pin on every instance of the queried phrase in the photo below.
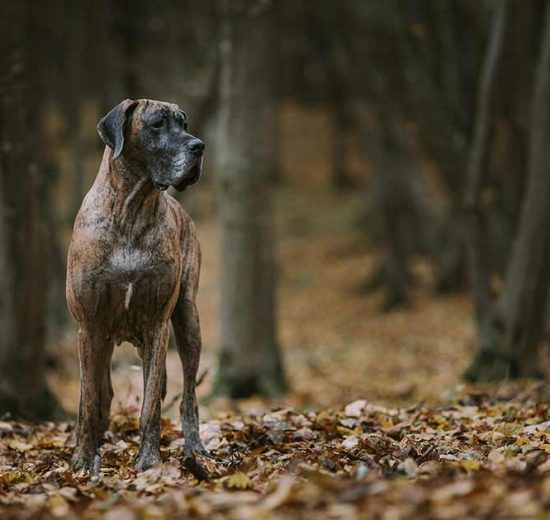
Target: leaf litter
(458, 453)
(481, 456)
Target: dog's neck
(128, 191)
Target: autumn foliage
(481, 456)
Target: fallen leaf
(356, 408)
(19, 446)
(238, 480)
(470, 465)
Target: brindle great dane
(133, 266)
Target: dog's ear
(111, 126)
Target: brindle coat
(133, 265)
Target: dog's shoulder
(190, 248)
(184, 220)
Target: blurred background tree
(250, 362)
(25, 216)
(435, 112)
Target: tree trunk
(509, 342)
(434, 60)
(129, 26)
(340, 168)
(400, 218)
(250, 361)
(476, 207)
(24, 244)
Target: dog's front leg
(154, 362)
(185, 320)
(95, 397)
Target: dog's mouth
(181, 182)
(191, 177)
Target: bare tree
(24, 241)
(477, 167)
(250, 361)
(401, 218)
(513, 330)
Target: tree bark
(24, 244)
(250, 360)
(399, 213)
(509, 343)
(476, 171)
(437, 57)
(340, 167)
(129, 24)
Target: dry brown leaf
(239, 480)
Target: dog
(133, 266)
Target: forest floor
(377, 423)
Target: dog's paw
(192, 449)
(147, 459)
(198, 461)
(86, 460)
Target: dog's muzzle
(192, 177)
(190, 171)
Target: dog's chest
(128, 262)
(137, 280)
(147, 268)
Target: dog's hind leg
(185, 320)
(164, 378)
(154, 368)
(94, 351)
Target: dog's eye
(158, 124)
(181, 120)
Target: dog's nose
(195, 145)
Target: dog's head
(154, 135)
